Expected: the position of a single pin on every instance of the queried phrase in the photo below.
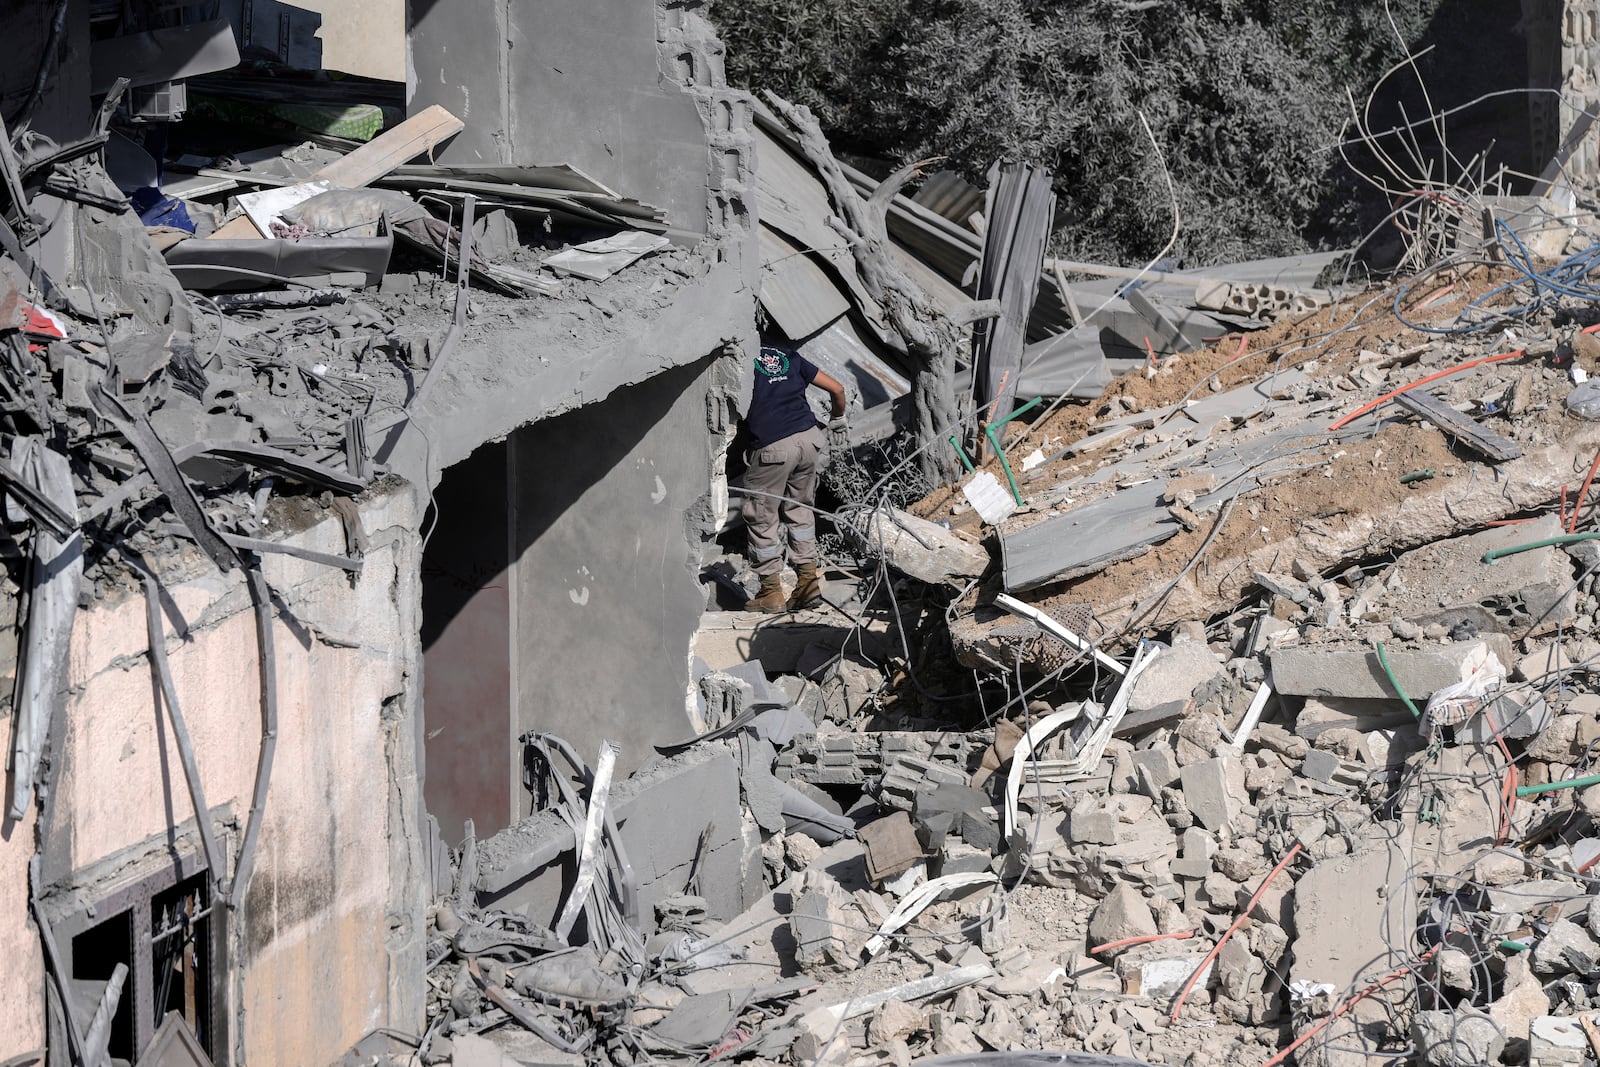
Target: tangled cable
(1540, 289)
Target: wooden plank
(371, 161)
(1468, 431)
(391, 148)
(237, 229)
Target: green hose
(1023, 410)
(992, 432)
(1570, 783)
(1383, 661)
(1565, 539)
(965, 462)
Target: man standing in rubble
(781, 464)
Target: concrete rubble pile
(1255, 724)
(1301, 772)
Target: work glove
(838, 436)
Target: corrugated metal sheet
(949, 194)
(797, 293)
(936, 252)
(791, 199)
(938, 288)
(1082, 360)
(1020, 209)
(841, 347)
(1126, 524)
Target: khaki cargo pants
(785, 469)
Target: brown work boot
(769, 598)
(808, 590)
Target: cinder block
(1448, 582)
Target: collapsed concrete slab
(1448, 582)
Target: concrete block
(1156, 768)
(1321, 714)
(919, 548)
(1565, 948)
(1215, 791)
(1522, 898)
(1522, 999)
(1174, 676)
(1093, 821)
(1518, 716)
(1276, 904)
(728, 638)
(1457, 1038)
(1556, 1041)
(1320, 765)
(1354, 671)
(818, 921)
(969, 813)
(1545, 661)
(1198, 849)
(1348, 911)
(1122, 914)
(1239, 973)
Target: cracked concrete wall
(582, 84)
(611, 86)
(613, 504)
(329, 941)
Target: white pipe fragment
(588, 860)
(917, 901)
(1094, 746)
(1035, 736)
(932, 985)
(1252, 715)
(1055, 629)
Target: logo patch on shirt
(772, 362)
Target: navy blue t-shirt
(778, 405)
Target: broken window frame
(136, 897)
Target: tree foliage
(1244, 97)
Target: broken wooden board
(1463, 428)
(366, 164)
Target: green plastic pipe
(1024, 409)
(1513, 946)
(1565, 539)
(1570, 783)
(965, 462)
(989, 432)
(1383, 661)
